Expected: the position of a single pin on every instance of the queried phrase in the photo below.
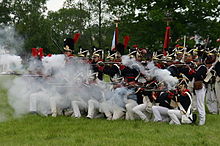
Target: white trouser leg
(33, 102)
(129, 112)
(53, 107)
(106, 109)
(190, 87)
(217, 90)
(93, 105)
(118, 112)
(160, 113)
(139, 109)
(77, 106)
(211, 100)
(175, 116)
(200, 96)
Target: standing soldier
(97, 65)
(211, 99)
(68, 50)
(200, 90)
(217, 83)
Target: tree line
(143, 20)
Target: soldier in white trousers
(114, 107)
(217, 85)
(200, 95)
(194, 102)
(144, 110)
(98, 95)
(130, 104)
(78, 106)
(211, 99)
(79, 101)
(41, 102)
(200, 90)
(112, 111)
(93, 108)
(184, 102)
(160, 113)
(217, 90)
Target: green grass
(37, 130)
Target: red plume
(126, 41)
(34, 52)
(40, 52)
(37, 52)
(76, 37)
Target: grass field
(37, 130)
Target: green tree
(5, 11)
(146, 17)
(30, 22)
(67, 21)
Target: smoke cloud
(10, 41)
(59, 85)
(10, 44)
(53, 82)
(162, 75)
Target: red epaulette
(184, 92)
(191, 71)
(100, 60)
(159, 65)
(49, 55)
(122, 66)
(170, 94)
(101, 68)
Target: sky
(54, 5)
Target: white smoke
(132, 63)
(10, 41)
(10, 44)
(10, 63)
(162, 75)
(60, 85)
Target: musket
(18, 74)
(162, 60)
(106, 63)
(111, 62)
(154, 90)
(55, 42)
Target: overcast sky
(54, 5)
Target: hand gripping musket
(102, 51)
(132, 54)
(184, 54)
(86, 52)
(111, 56)
(156, 56)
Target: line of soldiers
(133, 95)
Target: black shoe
(33, 113)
